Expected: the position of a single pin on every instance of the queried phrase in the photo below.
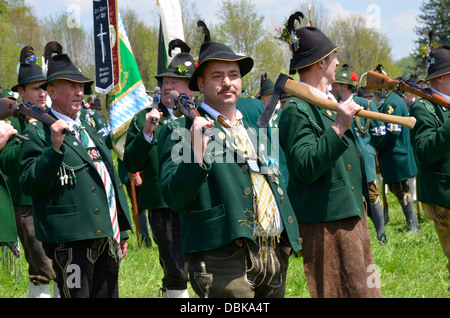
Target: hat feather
(297, 16)
(206, 32)
(50, 48)
(263, 77)
(177, 43)
(26, 53)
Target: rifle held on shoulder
(376, 80)
(10, 108)
(182, 105)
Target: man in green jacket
(40, 270)
(236, 237)
(344, 89)
(327, 182)
(8, 230)
(141, 154)
(396, 156)
(81, 211)
(430, 141)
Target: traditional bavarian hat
(28, 71)
(182, 64)
(214, 51)
(59, 66)
(439, 60)
(344, 76)
(308, 44)
(7, 93)
(267, 85)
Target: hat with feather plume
(57, 65)
(27, 70)
(182, 64)
(308, 44)
(214, 51)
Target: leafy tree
(77, 42)
(435, 17)
(144, 42)
(10, 52)
(193, 35)
(362, 48)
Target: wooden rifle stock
(10, 108)
(376, 80)
(306, 93)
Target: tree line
(238, 24)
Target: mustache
(226, 90)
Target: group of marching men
(225, 227)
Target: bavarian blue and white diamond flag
(129, 96)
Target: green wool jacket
(8, 230)
(141, 156)
(364, 137)
(394, 148)
(430, 141)
(70, 212)
(9, 164)
(326, 173)
(215, 201)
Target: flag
(105, 48)
(129, 96)
(170, 28)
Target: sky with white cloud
(395, 19)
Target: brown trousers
(40, 268)
(441, 219)
(338, 260)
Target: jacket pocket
(61, 209)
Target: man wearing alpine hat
(236, 237)
(327, 186)
(80, 208)
(344, 89)
(30, 76)
(141, 154)
(429, 139)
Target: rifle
(182, 105)
(376, 80)
(26, 111)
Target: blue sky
(395, 19)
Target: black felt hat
(59, 66)
(308, 44)
(214, 51)
(439, 60)
(182, 64)
(28, 71)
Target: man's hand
(58, 133)
(151, 122)
(123, 247)
(6, 131)
(344, 118)
(199, 140)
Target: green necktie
(83, 136)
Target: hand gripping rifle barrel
(182, 105)
(10, 108)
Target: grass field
(409, 266)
